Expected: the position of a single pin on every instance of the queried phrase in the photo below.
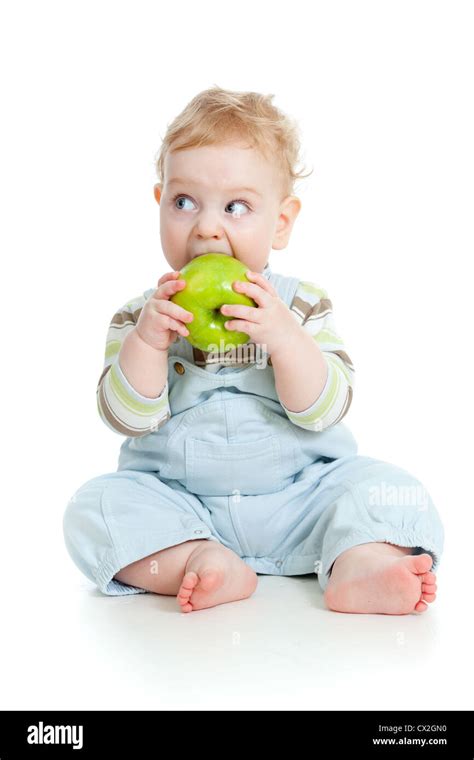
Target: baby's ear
(157, 191)
(289, 210)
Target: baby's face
(224, 199)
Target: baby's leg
(202, 573)
(114, 518)
(380, 537)
(381, 578)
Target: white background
(382, 92)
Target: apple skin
(209, 279)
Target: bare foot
(381, 578)
(214, 575)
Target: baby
(233, 467)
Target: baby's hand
(271, 325)
(161, 320)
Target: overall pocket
(222, 469)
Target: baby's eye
(236, 211)
(178, 200)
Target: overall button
(179, 368)
(278, 563)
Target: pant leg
(118, 518)
(377, 501)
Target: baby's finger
(173, 310)
(169, 288)
(241, 325)
(245, 312)
(259, 279)
(168, 276)
(173, 324)
(254, 291)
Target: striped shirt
(128, 413)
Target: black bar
(324, 734)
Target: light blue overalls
(229, 466)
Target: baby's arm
(313, 311)
(132, 392)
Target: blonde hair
(217, 116)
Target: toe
(189, 581)
(430, 588)
(419, 563)
(428, 597)
(428, 577)
(420, 606)
(186, 589)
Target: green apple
(209, 279)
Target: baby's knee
(81, 528)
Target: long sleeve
(313, 310)
(120, 406)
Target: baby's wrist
(283, 352)
(142, 341)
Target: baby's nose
(209, 227)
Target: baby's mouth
(203, 253)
